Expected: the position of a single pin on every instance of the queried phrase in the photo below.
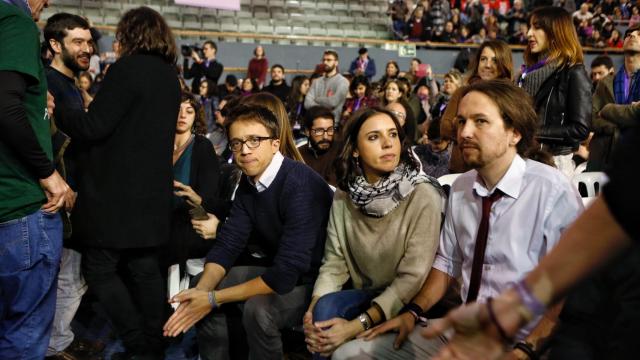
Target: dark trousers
(262, 318)
(129, 285)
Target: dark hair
(255, 113)
(601, 60)
(277, 66)
(347, 168)
(58, 25)
(564, 46)
(362, 51)
(254, 85)
(504, 61)
(401, 88)
(294, 95)
(212, 44)
(394, 64)
(143, 31)
(85, 74)
(212, 89)
(231, 80)
(331, 52)
(359, 80)
(516, 109)
(417, 60)
(255, 51)
(199, 125)
(317, 112)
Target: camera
(188, 49)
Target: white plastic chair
(592, 181)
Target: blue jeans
(346, 304)
(30, 249)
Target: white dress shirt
(269, 173)
(538, 203)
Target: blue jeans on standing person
(30, 249)
(346, 304)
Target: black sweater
(289, 222)
(125, 185)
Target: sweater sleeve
(334, 272)
(420, 244)
(310, 98)
(107, 109)
(305, 212)
(233, 235)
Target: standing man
(278, 85)
(282, 207)
(207, 68)
(363, 65)
(621, 88)
(320, 152)
(31, 190)
(330, 90)
(69, 40)
(502, 217)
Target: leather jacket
(563, 105)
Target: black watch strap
(527, 348)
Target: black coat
(125, 177)
(563, 105)
(198, 71)
(204, 179)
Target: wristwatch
(365, 321)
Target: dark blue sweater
(289, 219)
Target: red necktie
(481, 245)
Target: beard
(316, 146)
(329, 69)
(71, 62)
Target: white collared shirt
(524, 224)
(269, 173)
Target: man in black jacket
(208, 67)
(278, 85)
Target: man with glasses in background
(320, 152)
(267, 253)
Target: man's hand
(51, 104)
(207, 229)
(186, 191)
(336, 332)
(403, 324)
(70, 200)
(475, 337)
(196, 57)
(194, 305)
(55, 188)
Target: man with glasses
(329, 90)
(319, 153)
(267, 253)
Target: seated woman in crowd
(287, 144)
(249, 86)
(491, 61)
(360, 98)
(295, 104)
(382, 234)
(391, 72)
(196, 173)
(209, 101)
(392, 91)
(452, 82)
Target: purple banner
(215, 4)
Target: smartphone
(422, 70)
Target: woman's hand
(207, 229)
(403, 324)
(336, 332)
(311, 333)
(187, 192)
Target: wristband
(212, 300)
(492, 316)
(534, 306)
(415, 310)
(527, 348)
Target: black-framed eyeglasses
(252, 143)
(320, 131)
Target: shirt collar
(269, 173)
(511, 182)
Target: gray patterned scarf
(533, 80)
(381, 198)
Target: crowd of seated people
(314, 205)
(474, 21)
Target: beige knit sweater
(392, 254)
